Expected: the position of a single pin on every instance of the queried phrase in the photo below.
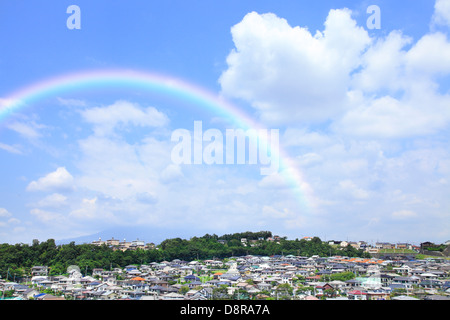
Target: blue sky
(363, 115)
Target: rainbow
(158, 83)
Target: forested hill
(18, 259)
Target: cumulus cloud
(87, 210)
(442, 13)
(4, 213)
(7, 220)
(289, 74)
(396, 94)
(383, 65)
(171, 173)
(106, 119)
(380, 87)
(118, 169)
(59, 180)
(388, 117)
(47, 216)
(53, 200)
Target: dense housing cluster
(247, 277)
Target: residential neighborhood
(249, 277)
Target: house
(98, 242)
(37, 280)
(215, 263)
(354, 244)
(334, 242)
(402, 297)
(386, 279)
(197, 296)
(372, 250)
(384, 245)
(426, 245)
(344, 244)
(404, 269)
(39, 271)
(137, 244)
(97, 272)
(436, 297)
(124, 245)
(191, 277)
(362, 245)
(30, 293)
(407, 281)
(172, 296)
(403, 246)
(322, 287)
(353, 282)
(429, 276)
(109, 295)
(112, 242)
(379, 294)
(207, 292)
(49, 297)
(430, 284)
(357, 295)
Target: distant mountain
(147, 234)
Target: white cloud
(87, 210)
(106, 119)
(350, 188)
(72, 102)
(429, 56)
(365, 87)
(47, 216)
(14, 221)
(27, 130)
(4, 213)
(304, 138)
(442, 13)
(53, 200)
(383, 65)
(404, 214)
(7, 220)
(289, 75)
(10, 149)
(273, 181)
(272, 212)
(388, 117)
(120, 170)
(309, 159)
(171, 173)
(59, 180)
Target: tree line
(17, 260)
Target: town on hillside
(393, 272)
(379, 247)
